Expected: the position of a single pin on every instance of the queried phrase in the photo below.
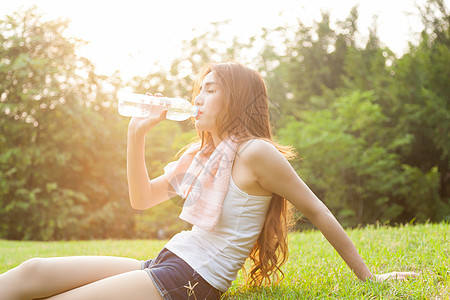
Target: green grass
(314, 269)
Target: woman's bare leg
(134, 285)
(44, 277)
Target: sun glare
(136, 37)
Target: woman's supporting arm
(274, 173)
(338, 238)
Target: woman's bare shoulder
(269, 167)
(257, 149)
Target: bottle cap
(196, 111)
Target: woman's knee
(17, 283)
(32, 267)
(32, 273)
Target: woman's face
(208, 101)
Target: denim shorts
(175, 279)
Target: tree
(346, 163)
(421, 90)
(324, 83)
(60, 159)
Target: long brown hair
(245, 115)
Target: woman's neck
(217, 139)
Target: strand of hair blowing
(270, 251)
(245, 115)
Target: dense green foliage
(371, 128)
(63, 145)
(313, 271)
(57, 169)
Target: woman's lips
(198, 114)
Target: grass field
(314, 270)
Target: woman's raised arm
(144, 193)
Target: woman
(236, 181)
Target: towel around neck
(201, 177)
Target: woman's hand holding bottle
(141, 126)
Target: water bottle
(138, 105)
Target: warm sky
(132, 35)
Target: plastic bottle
(138, 105)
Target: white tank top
(218, 255)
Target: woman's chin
(200, 126)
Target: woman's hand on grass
(394, 276)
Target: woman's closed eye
(211, 91)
